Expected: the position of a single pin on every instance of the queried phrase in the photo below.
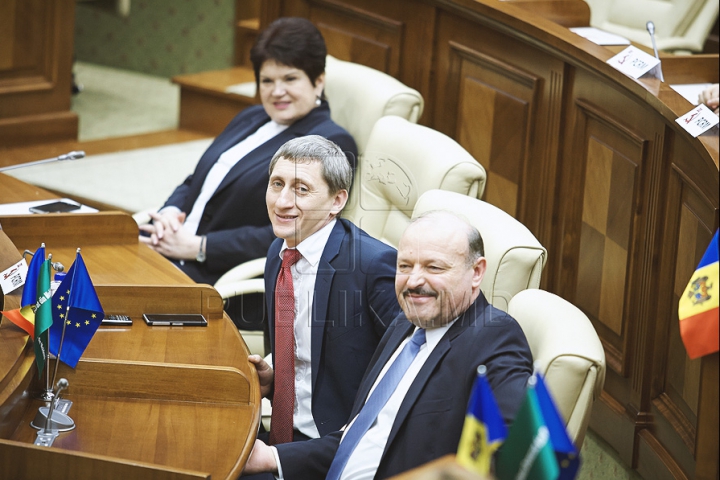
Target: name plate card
(635, 63)
(698, 120)
(13, 277)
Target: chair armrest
(241, 287)
(244, 271)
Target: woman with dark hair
(217, 218)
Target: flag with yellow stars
(77, 314)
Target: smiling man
(411, 405)
(329, 292)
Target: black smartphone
(116, 321)
(175, 319)
(60, 206)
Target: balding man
(412, 402)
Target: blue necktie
(375, 403)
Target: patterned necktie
(281, 421)
(375, 403)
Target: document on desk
(691, 91)
(23, 208)
(600, 37)
(246, 89)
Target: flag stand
(53, 418)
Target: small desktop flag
(698, 306)
(484, 429)
(77, 311)
(565, 451)
(43, 315)
(527, 452)
(24, 317)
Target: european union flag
(77, 311)
(484, 429)
(565, 451)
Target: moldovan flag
(698, 307)
(24, 317)
(484, 429)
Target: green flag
(527, 451)
(43, 316)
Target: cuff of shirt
(279, 475)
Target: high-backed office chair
(679, 24)
(402, 161)
(515, 258)
(359, 96)
(567, 351)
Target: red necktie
(281, 421)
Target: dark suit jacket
(430, 420)
(235, 219)
(354, 303)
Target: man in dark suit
(342, 293)
(454, 330)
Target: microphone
(74, 155)
(58, 267)
(651, 30)
(61, 385)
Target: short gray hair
(476, 246)
(336, 169)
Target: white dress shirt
(304, 273)
(220, 169)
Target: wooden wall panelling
(502, 101)
(386, 36)
(35, 71)
(678, 400)
(611, 179)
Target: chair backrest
(567, 351)
(515, 258)
(402, 161)
(359, 95)
(679, 24)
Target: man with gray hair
(329, 292)
(411, 405)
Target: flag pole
(65, 322)
(48, 395)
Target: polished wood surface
(36, 71)
(205, 106)
(148, 401)
(594, 164)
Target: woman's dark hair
(291, 41)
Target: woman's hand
(168, 238)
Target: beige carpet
(132, 180)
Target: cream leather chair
(679, 24)
(515, 258)
(567, 351)
(359, 96)
(402, 161)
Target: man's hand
(710, 98)
(261, 460)
(265, 372)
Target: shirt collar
(313, 246)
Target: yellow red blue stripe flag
(484, 429)
(698, 306)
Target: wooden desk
(149, 402)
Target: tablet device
(59, 206)
(175, 319)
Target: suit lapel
(272, 269)
(321, 297)
(399, 333)
(425, 373)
